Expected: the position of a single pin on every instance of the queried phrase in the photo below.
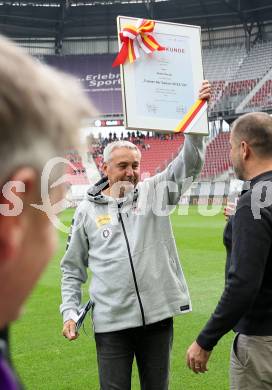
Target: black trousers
(151, 345)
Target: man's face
(235, 155)
(124, 166)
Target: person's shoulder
(244, 199)
(83, 205)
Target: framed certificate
(159, 89)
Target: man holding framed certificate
(123, 233)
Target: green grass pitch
(47, 361)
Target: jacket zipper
(132, 269)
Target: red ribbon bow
(135, 37)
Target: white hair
(117, 145)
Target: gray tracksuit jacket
(128, 245)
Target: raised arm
(187, 165)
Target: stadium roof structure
(97, 18)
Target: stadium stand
(234, 82)
(217, 158)
(162, 150)
(221, 63)
(263, 97)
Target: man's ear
(105, 168)
(15, 194)
(245, 149)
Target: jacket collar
(249, 184)
(94, 194)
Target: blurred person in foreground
(123, 233)
(40, 113)
(246, 303)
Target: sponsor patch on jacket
(102, 220)
(106, 233)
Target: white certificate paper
(158, 89)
